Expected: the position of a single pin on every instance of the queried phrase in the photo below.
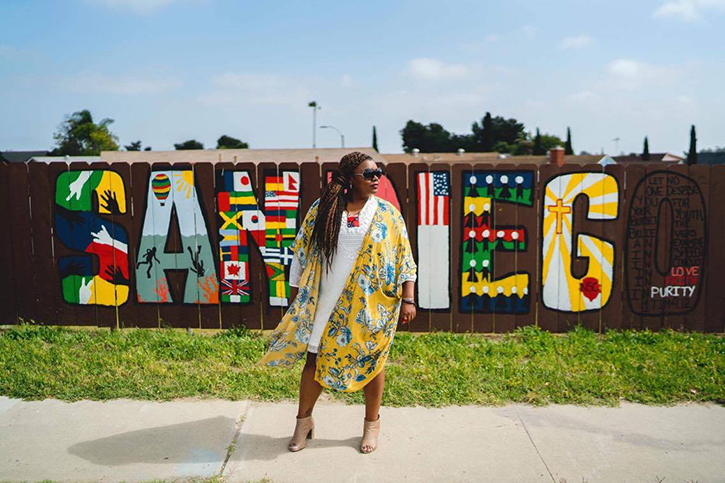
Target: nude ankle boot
(371, 429)
(304, 430)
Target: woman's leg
(310, 389)
(374, 396)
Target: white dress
(333, 281)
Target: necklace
(353, 220)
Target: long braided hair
(332, 204)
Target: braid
(332, 204)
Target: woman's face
(361, 186)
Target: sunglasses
(369, 174)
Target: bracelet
(410, 301)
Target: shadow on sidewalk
(173, 444)
(259, 447)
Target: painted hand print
(99, 276)
(173, 243)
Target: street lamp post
(342, 136)
(314, 107)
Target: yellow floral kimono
(360, 330)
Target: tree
(429, 139)
(568, 150)
(645, 150)
(490, 133)
(375, 139)
(692, 155)
(716, 149)
(190, 144)
(537, 149)
(549, 141)
(78, 135)
(484, 134)
(493, 130)
(228, 142)
(134, 146)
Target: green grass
(529, 365)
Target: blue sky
(171, 70)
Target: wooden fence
(497, 246)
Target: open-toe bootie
(304, 430)
(371, 429)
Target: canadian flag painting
(434, 190)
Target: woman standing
(354, 276)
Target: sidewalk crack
(232, 445)
(534, 444)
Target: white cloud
(492, 38)
(632, 74)
(433, 69)
(528, 31)
(243, 88)
(688, 10)
(121, 85)
(347, 81)
(581, 96)
(577, 42)
(136, 6)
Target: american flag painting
(433, 198)
(434, 193)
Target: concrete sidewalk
(138, 440)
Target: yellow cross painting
(560, 289)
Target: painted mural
(433, 191)
(98, 275)
(561, 290)
(169, 237)
(172, 204)
(666, 245)
(483, 236)
(272, 230)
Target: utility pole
(314, 107)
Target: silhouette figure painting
(149, 258)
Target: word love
(682, 276)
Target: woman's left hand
(407, 313)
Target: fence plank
(613, 232)
(422, 291)
(698, 224)
(714, 300)
(504, 221)
(20, 218)
(527, 217)
(461, 311)
(271, 314)
(441, 318)
(634, 263)
(209, 284)
(147, 312)
(482, 247)
(548, 315)
(45, 274)
(8, 312)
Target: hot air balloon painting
(162, 187)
